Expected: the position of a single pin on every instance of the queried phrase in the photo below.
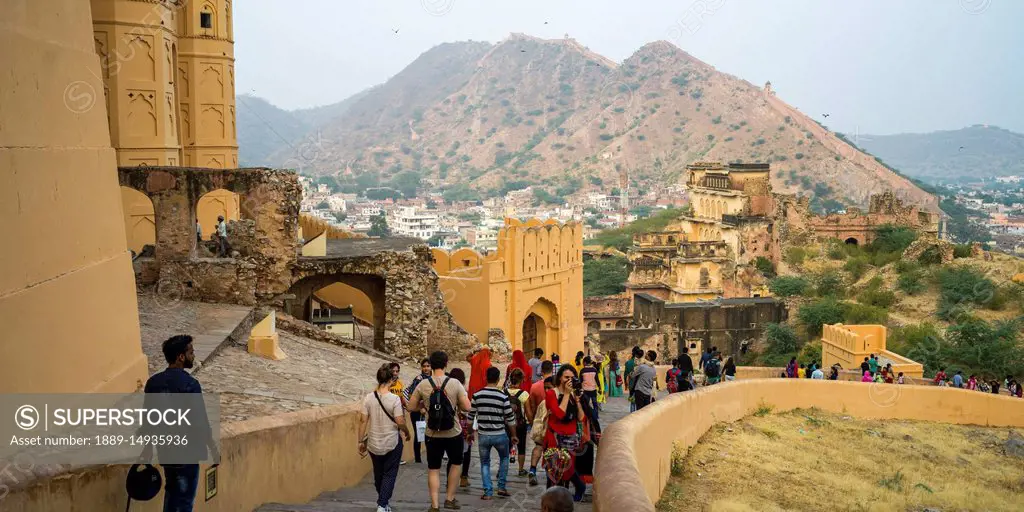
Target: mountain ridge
(476, 119)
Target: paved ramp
(411, 490)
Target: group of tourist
(556, 408)
(974, 383)
(220, 236)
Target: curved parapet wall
(636, 452)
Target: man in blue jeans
(496, 426)
(181, 480)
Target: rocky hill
(476, 119)
(973, 152)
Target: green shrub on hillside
(765, 266)
(911, 283)
(905, 266)
(961, 287)
(622, 238)
(864, 314)
(823, 311)
(788, 286)
(856, 267)
(829, 284)
(890, 238)
(795, 255)
(962, 251)
(781, 338)
(877, 296)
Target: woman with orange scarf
(519, 361)
(479, 362)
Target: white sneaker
(383, 509)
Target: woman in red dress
(564, 416)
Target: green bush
(964, 285)
(856, 267)
(905, 266)
(890, 238)
(820, 312)
(962, 251)
(930, 256)
(788, 286)
(781, 338)
(829, 284)
(864, 314)
(765, 266)
(795, 255)
(911, 283)
(835, 250)
(876, 296)
(605, 276)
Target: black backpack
(440, 413)
(711, 368)
(517, 408)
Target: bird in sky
(395, 30)
(522, 51)
(961, 148)
(824, 115)
(545, 23)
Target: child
(899, 380)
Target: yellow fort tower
(168, 71)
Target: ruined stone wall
(266, 237)
(416, 320)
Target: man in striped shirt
(496, 427)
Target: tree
(622, 238)
(819, 313)
(406, 182)
(765, 266)
(379, 226)
(340, 216)
(605, 276)
(829, 283)
(324, 205)
(641, 211)
(788, 286)
(781, 338)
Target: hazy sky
(876, 66)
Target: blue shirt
(958, 380)
(173, 380)
(177, 380)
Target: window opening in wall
(206, 20)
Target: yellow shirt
(801, 373)
(397, 388)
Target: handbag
(570, 442)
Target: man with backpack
(672, 377)
(442, 396)
(712, 370)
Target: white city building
(408, 222)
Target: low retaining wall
(636, 452)
(290, 458)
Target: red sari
(478, 365)
(519, 361)
(557, 426)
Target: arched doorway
(852, 241)
(213, 204)
(533, 330)
(540, 328)
(621, 324)
(324, 300)
(139, 220)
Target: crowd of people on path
(1010, 385)
(556, 405)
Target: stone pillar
(67, 290)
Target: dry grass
(811, 460)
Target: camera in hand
(577, 385)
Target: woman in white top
(381, 421)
